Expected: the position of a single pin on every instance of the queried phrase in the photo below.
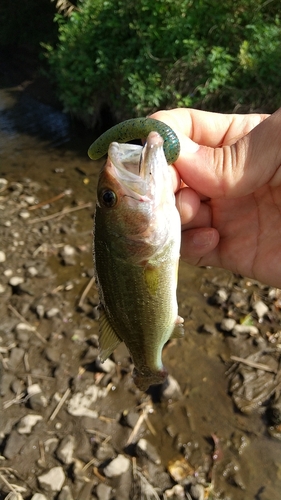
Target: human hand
(231, 209)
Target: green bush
(150, 54)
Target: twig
(51, 200)
(33, 329)
(136, 429)
(60, 404)
(62, 213)
(258, 366)
(88, 464)
(86, 291)
(9, 485)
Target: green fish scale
(137, 128)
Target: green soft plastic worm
(137, 128)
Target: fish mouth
(136, 167)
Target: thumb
(235, 170)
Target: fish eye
(108, 198)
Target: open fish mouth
(137, 168)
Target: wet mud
(72, 428)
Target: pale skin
(227, 181)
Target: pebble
(30, 200)
(36, 399)
(246, 329)
(26, 423)
(220, 297)
(8, 273)
(65, 493)
(24, 214)
(103, 491)
(5, 382)
(23, 327)
(117, 466)
(13, 445)
(40, 311)
(261, 309)
(51, 313)
(32, 271)
(39, 496)
(2, 256)
(208, 328)
(16, 356)
(107, 366)
(16, 280)
(105, 452)
(66, 449)
(227, 324)
(171, 388)
(176, 493)
(197, 491)
(3, 183)
(68, 254)
(79, 404)
(146, 449)
(52, 480)
(2, 288)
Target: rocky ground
(72, 428)
(75, 429)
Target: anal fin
(108, 340)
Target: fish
(137, 235)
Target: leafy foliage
(140, 56)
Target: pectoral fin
(178, 331)
(108, 340)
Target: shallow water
(40, 142)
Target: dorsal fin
(108, 340)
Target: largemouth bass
(137, 234)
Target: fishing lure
(137, 128)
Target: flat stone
(16, 356)
(65, 493)
(37, 400)
(197, 491)
(103, 491)
(24, 327)
(24, 214)
(51, 313)
(2, 256)
(227, 324)
(26, 424)
(171, 388)
(146, 449)
(246, 329)
(261, 309)
(106, 367)
(117, 466)
(66, 449)
(176, 493)
(53, 479)
(13, 445)
(16, 280)
(79, 404)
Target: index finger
(207, 128)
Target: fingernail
(202, 237)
